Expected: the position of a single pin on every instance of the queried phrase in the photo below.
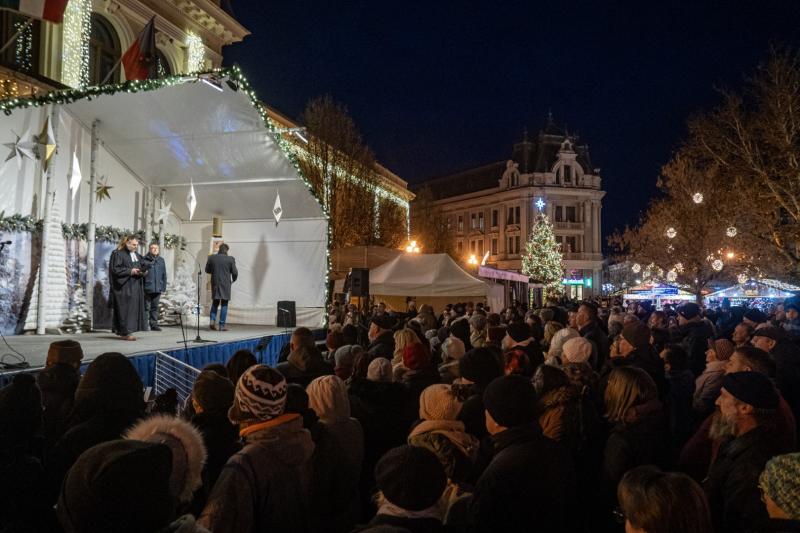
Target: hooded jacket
(303, 366)
(559, 416)
(456, 449)
(266, 486)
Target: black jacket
(222, 268)
(58, 384)
(732, 482)
(401, 523)
(528, 485)
(694, 336)
(155, 282)
(787, 373)
(382, 346)
(222, 441)
(592, 332)
(645, 359)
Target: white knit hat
(557, 343)
(380, 369)
(577, 350)
(438, 402)
(453, 349)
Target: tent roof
(203, 129)
(429, 275)
(761, 288)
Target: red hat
(415, 356)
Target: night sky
(437, 87)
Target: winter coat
(787, 373)
(585, 380)
(732, 482)
(472, 409)
(415, 382)
(645, 359)
(456, 449)
(303, 366)
(402, 524)
(777, 526)
(534, 352)
(266, 486)
(155, 282)
(57, 384)
(693, 336)
(382, 346)
(600, 353)
(222, 441)
(679, 406)
(559, 416)
(529, 483)
(184, 524)
(643, 440)
(426, 318)
(22, 483)
(222, 268)
(707, 387)
(478, 339)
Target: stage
(142, 351)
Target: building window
(513, 215)
(449, 223)
(559, 215)
(164, 69)
(494, 218)
(460, 223)
(513, 244)
(472, 247)
(480, 248)
(571, 244)
(570, 214)
(494, 246)
(460, 247)
(472, 224)
(567, 174)
(516, 244)
(480, 221)
(104, 51)
(28, 61)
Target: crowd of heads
(569, 417)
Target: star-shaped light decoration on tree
(163, 212)
(191, 201)
(20, 149)
(45, 144)
(540, 204)
(75, 180)
(101, 192)
(277, 210)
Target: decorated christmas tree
(78, 319)
(542, 259)
(180, 296)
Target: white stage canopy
(205, 131)
(434, 275)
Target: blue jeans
(222, 313)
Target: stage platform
(265, 341)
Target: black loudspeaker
(359, 282)
(287, 315)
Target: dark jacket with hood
(694, 336)
(593, 333)
(303, 366)
(58, 384)
(643, 358)
(787, 373)
(382, 346)
(222, 441)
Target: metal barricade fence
(175, 374)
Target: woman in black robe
(126, 297)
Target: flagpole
(108, 76)
(17, 34)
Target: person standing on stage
(154, 284)
(127, 270)
(222, 268)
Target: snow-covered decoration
(181, 296)
(57, 304)
(78, 319)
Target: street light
(472, 260)
(731, 255)
(412, 248)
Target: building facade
(491, 209)
(85, 48)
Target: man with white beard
(746, 406)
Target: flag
(75, 180)
(277, 210)
(140, 59)
(50, 10)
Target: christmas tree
(78, 319)
(542, 259)
(180, 296)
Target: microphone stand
(183, 332)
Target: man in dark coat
(633, 349)
(531, 479)
(747, 405)
(127, 270)
(589, 329)
(776, 342)
(222, 268)
(154, 284)
(381, 337)
(693, 334)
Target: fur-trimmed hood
(188, 450)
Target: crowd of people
(565, 418)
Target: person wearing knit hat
(380, 369)
(273, 471)
(555, 352)
(636, 334)
(754, 317)
(708, 384)
(479, 366)
(452, 352)
(344, 360)
(212, 393)
(416, 357)
(540, 470)
(747, 405)
(518, 339)
(780, 486)
(411, 482)
(576, 350)
(20, 410)
(381, 337)
(478, 325)
(68, 352)
(693, 333)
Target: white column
(588, 238)
(90, 237)
(597, 230)
(49, 198)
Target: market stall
(658, 294)
(761, 293)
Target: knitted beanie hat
(480, 366)
(111, 382)
(410, 477)
(723, 349)
(415, 356)
(260, 395)
(637, 334)
(380, 369)
(518, 331)
(67, 351)
(511, 400)
(438, 402)
(478, 322)
(557, 343)
(753, 388)
(780, 480)
(577, 350)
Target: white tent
(204, 131)
(432, 278)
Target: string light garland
(23, 56)
(717, 264)
(741, 278)
(77, 29)
(196, 60)
(697, 198)
(731, 231)
(671, 233)
(636, 268)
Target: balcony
(16, 84)
(568, 225)
(582, 256)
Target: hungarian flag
(140, 60)
(50, 10)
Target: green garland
(110, 233)
(19, 222)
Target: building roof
(537, 155)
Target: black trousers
(151, 307)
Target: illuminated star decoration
(163, 212)
(45, 144)
(102, 190)
(20, 149)
(191, 201)
(540, 204)
(277, 210)
(75, 180)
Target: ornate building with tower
(491, 208)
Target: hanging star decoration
(75, 180)
(277, 210)
(101, 192)
(45, 144)
(163, 212)
(20, 149)
(191, 201)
